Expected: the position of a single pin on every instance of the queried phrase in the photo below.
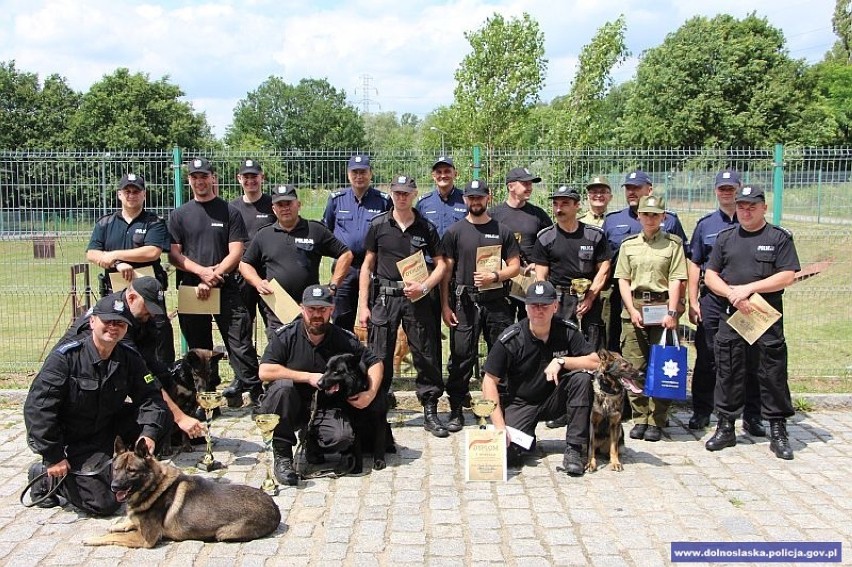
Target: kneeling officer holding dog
(76, 407)
(292, 365)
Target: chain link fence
(49, 202)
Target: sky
(387, 55)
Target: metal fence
(50, 200)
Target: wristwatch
(672, 313)
(425, 289)
(561, 361)
(332, 287)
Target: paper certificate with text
(413, 269)
(751, 327)
(488, 260)
(281, 303)
(118, 283)
(486, 454)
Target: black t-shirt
(292, 258)
(255, 215)
(571, 254)
(204, 231)
(525, 222)
(463, 238)
(112, 232)
(291, 348)
(741, 257)
(518, 359)
(391, 244)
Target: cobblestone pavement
(420, 511)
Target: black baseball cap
(566, 191)
(317, 296)
(111, 309)
(727, 178)
(150, 290)
(249, 165)
(521, 174)
(476, 187)
(750, 194)
(404, 184)
(284, 193)
(359, 161)
(443, 160)
(199, 165)
(129, 179)
(540, 292)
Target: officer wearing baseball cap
(528, 391)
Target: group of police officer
(240, 248)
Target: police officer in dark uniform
(754, 258)
(347, 215)
(617, 226)
(255, 207)
(290, 251)
(207, 245)
(538, 370)
(570, 250)
(522, 218)
(705, 310)
(467, 308)
(76, 407)
(392, 237)
(293, 363)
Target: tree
(497, 83)
(723, 82)
(841, 23)
(834, 85)
(577, 117)
(384, 132)
(311, 115)
(131, 112)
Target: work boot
(725, 436)
(456, 421)
(779, 444)
(431, 422)
(285, 474)
(653, 433)
(753, 425)
(572, 462)
(40, 489)
(233, 394)
(638, 431)
(699, 421)
(560, 421)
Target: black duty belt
(651, 296)
(390, 288)
(477, 295)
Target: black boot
(456, 421)
(560, 421)
(753, 425)
(725, 435)
(779, 444)
(41, 488)
(431, 422)
(284, 472)
(573, 463)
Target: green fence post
(477, 161)
(819, 194)
(176, 159)
(778, 184)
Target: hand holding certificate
(413, 269)
(488, 260)
(752, 326)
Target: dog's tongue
(631, 385)
(121, 495)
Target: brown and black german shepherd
(611, 380)
(162, 502)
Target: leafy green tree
(311, 115)
(130, 112)
(497, 83)
(834, 85)
(723, 82)
(383, 131)
(841, 23)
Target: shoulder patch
(567, 323)
(786, 231)
(510, 332)
(544, 230)
(593, 228)
(67, 347)
(337, 194)
(289, 325)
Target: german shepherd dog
(163, 502)
(611, 380)
(198, 371)
(370, 424)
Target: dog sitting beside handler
(76, 406)
(292, 365)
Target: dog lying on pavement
(163, 502)
(611, 380)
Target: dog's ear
(118, 447)
(141, 449)
(604, 355)
(217, 353)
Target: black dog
(198, 371)
(370, 424)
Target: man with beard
(292, 365)
(466, 309)
(348, 214)
(523, 219)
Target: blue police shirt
(704, 236)
(348, 218)
(618, 225)
(441, 213)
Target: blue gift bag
(665, 376)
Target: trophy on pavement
(482, 408)
(209, 401)
(267, 422)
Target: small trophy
(579, 287)
(209, 401)
(482, 408)
(267, 422)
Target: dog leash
(302, 452)
(57, 483)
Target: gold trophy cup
(579, 287)
(267, 422)
(482, 408)
(209, 401)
